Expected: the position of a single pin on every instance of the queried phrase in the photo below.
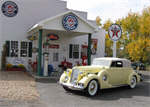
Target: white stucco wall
(30, 12)
(0, 38)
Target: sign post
(114, 49)
(115, 33)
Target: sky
(108, 9)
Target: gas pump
(84, 60)
(84, 55)
(45, 59)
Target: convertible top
(126, 62)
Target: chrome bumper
(72, 86)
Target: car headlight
(81, 85)
(66, 78)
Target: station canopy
(54, 25)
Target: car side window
(116, 64)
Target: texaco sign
(115, 32)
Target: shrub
(21, 66)
(9, 66)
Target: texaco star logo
(9, 9)
(114, 32)
(70, 22)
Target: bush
(21, 66)
(9, 66)
(15, 66)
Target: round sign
(9, 9)
(70, 22)
(115, 32)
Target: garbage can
(50, 69)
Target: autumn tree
(135, 40)
(108, 41)
(138, 47)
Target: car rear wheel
(92, 88)
(133, 82)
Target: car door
(115, 73)
(125, 74)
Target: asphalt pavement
(53, 95)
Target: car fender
(104, 83)
(85, 80)
(62, 77)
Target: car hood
(90, 69)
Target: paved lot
(53, 95)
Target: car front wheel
(92, 88)
(133, 82)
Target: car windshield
(105, 63)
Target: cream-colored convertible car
(103, 73)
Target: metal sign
(94, 46)
(115, 32)
(9, 9)
(70, 22)
(53, 37)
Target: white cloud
(106, 9)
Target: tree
(136, 49)
(98, 21)
(108, 41)
(140, 37)
(135, 40)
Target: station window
(74, 51)
(26, 49)
(55, 57)
(14, 48)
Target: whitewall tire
(92, 88)
(133, 82)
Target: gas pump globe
(45, 59)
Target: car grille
(74, 75)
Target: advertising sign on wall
(94, 46)
(70, 22)
(52, 37)
(9, 9)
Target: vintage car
(103, 73)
